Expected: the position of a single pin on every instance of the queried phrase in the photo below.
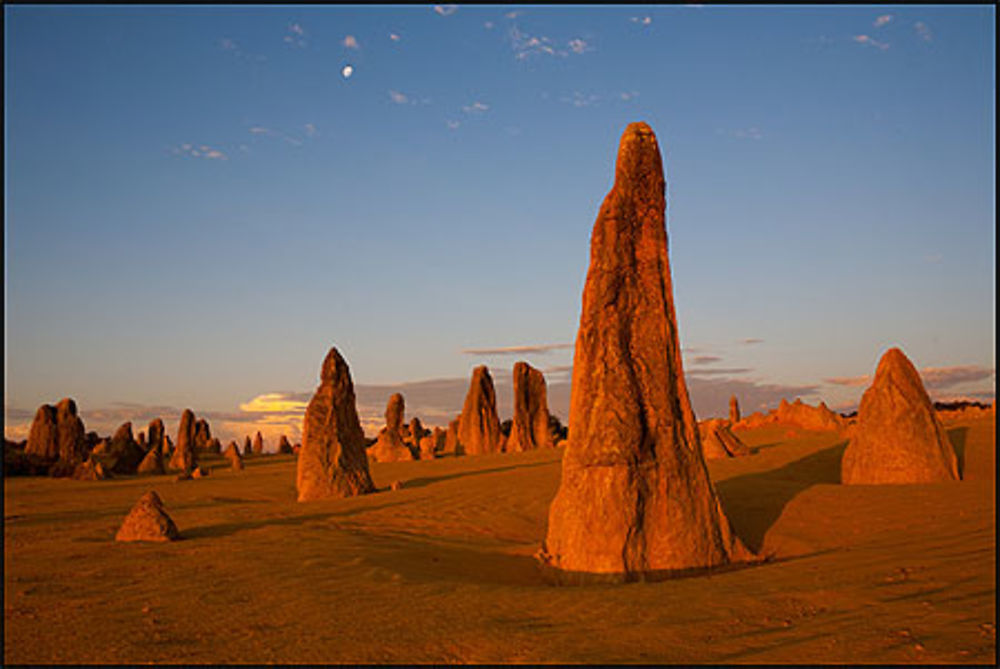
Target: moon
(347, 71)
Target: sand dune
(442, 570)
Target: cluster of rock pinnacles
(635, 498)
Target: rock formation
(451, 443)
(635, 499)
(479, 425)
(258, 444)
(202, 435)
(898, 438)
(247, 447)
(417, 432)
(148, 521)
(233, 455)
(90, 470)
(332, 462)
(123, 455)
(734, 410)
(530, 427)
(799, 414)
(427, 447)
(718, 441)
(390, 447)
(57, 433)
(184, 457)
(284, 447)
(152, 463)
(156, 435)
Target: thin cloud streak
(512, 350)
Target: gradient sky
(198, 203)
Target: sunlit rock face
(635, 498)
(390, 447)
(332, 461)
(57, 433)
(148, 521)
(479, 425)
(898, 437)
(734, 409)
(530, 425)
(718, 440)
(184, 457)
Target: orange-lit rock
(479, 425)
(184, 457)
(530, 425)
(898, 437)
(390, 447)
(635, 498)
(332, 462)
(734, 409)
(148, 521)
(718, 440)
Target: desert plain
(443, 569)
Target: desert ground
(442, 570)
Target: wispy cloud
(476, 107)
(939, 378)
(199, 151)
(513, 350)
(398, 98)
(445, 10)
(296, 35)
(394, 37)
(351, 42)
(628, 95)
(452, 124)
(294, 141)
(870, 41)
(923, 31)
(705, 359)
(850, 381)
(579, 99)
(579, 46)
(934, 378)
(719, 371)
(232, 47)
(882, 20)
(642, 20)
(749, 341)
(310, 130)
(489, 25)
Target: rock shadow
(427, 480)
(754, 502)
(957, 436)
(415, 558)
(228, 529)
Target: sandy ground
(441, 570)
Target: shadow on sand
(227, 529)
(754, 502)
(957, 435)
(427, 480)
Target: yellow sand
(441, 570)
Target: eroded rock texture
(148, 521)
(530, 426)
(635, 498)
(898, 437)
(332, 462)
(479, 425)
(184, 457)
(718, 440)
(390, 446)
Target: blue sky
(198, 202)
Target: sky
(201, 200)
